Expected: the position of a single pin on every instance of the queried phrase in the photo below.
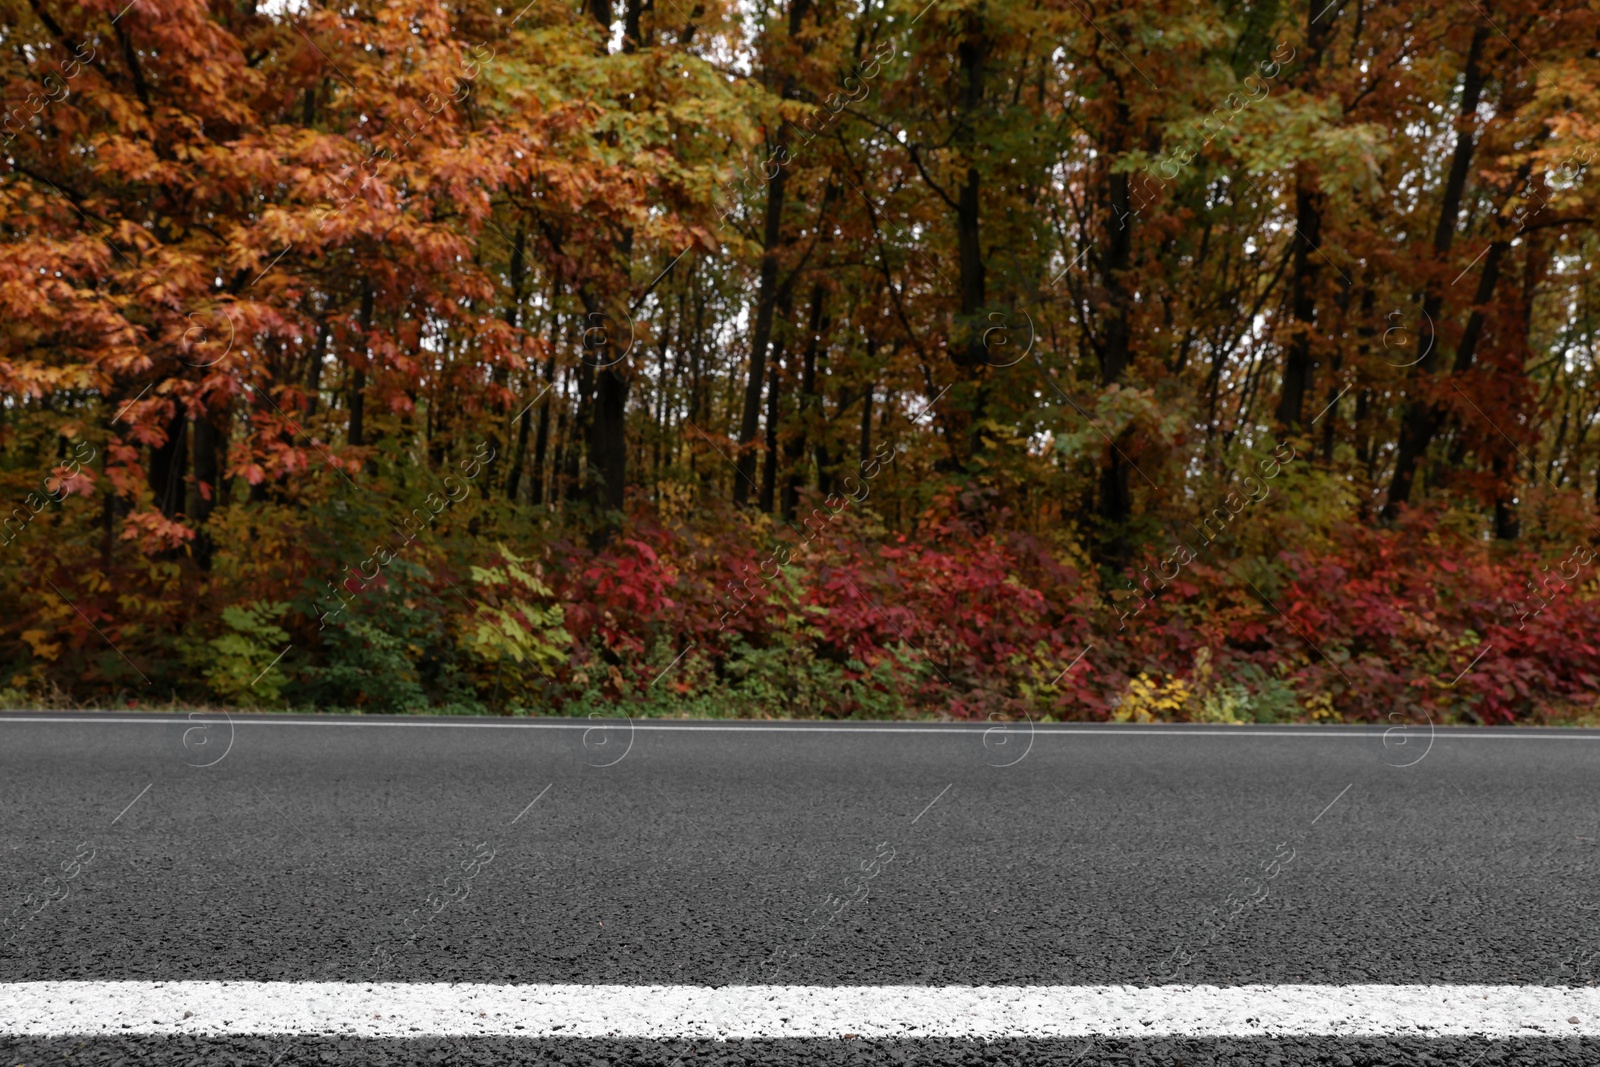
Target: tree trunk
(608, 446)
(1423, 420)
(358, 382)
(969, 353)
(794, 452)
(608, 436)
(1115, 499)
(760, 337)
(524, 426)
(767, 283)
(1297, 365)
(570, 432)
(541, 441)
(1419, 421)
(971, 51)
(632, 39)
(513, 316)
(208, 443)
(319, 352)
(603, 391)
(1507, 526)
(169, 463)
(864, 453)
(769, 469)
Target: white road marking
(395, 1009)
(1153, 730)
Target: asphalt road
(616, 853)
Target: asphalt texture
(205, 848)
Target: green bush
(511, 634)
(366, 666)
(236, 663)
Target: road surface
(352, 890)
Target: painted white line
(1530, 733)
(396, 1009)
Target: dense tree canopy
(1214, 360)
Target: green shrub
(366, 666)
(512, 634)
(236, 663)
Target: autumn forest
(1212, 360)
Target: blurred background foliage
(1228, 361)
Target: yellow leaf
(41, 647)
